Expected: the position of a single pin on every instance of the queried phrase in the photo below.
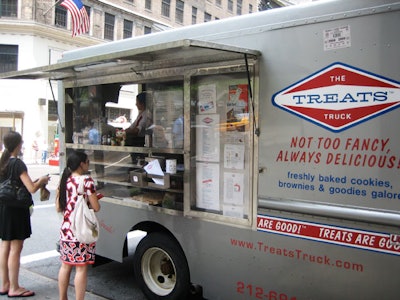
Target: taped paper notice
(154, 168)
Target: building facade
(35, 33)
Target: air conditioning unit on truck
(287, 182)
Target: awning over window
(166, 55)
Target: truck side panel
(326, 201)
(234, 263)
(307, 156)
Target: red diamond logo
(207, 120)
(339, 96)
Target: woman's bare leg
(63, 280)
(4, 253)
(80, 282)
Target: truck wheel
(161, 269)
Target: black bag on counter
(13, 194)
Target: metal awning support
(256, 128)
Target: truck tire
(161, 269)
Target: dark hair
(141, 97)
(11, 141)
(73, 163)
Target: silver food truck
(271, 166)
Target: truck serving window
(199, 140)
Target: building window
(11, 120)
(88, 13)
(52, 110)
(147, 30)
(109, 22)
(207, 17)
(87, 10)
(165, 8)
(230, 5)
(147, 4)
(179, 11)
(8, 8)
(218, 3)
(250, 8)
(60, 17)
(194, 15)
(128, 28)
(8, 58)
(239, 7)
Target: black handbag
(12, 193)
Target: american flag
(80, 18)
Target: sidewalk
(47, 288)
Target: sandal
(23, 294)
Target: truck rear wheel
(161, 269)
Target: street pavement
(44, 287)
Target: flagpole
(58, 1)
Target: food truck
(271, 167)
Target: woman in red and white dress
(73, 252)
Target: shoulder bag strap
(81, 190)
(10, 168)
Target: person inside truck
(136, 132)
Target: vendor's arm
(139, 126)
(132, 130)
